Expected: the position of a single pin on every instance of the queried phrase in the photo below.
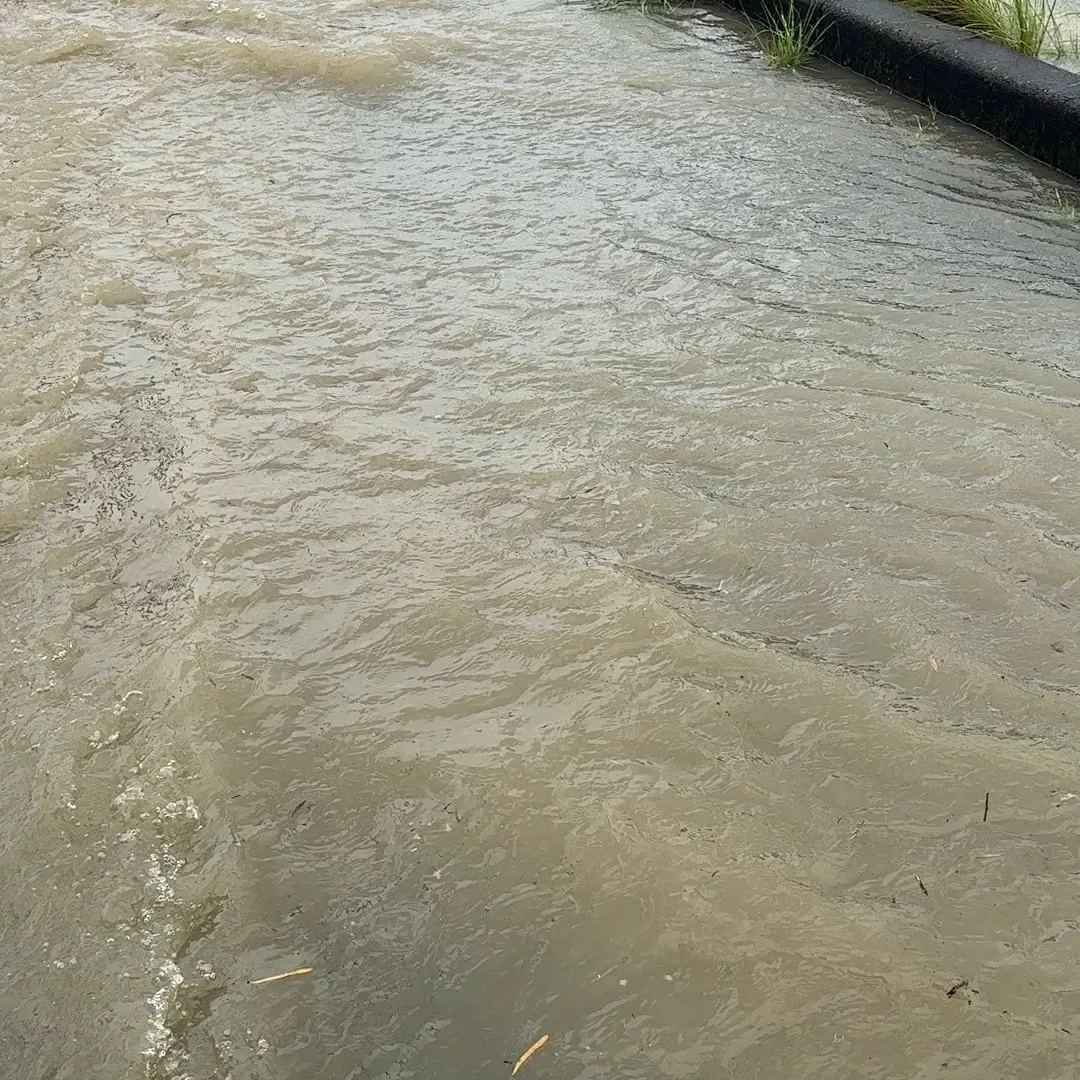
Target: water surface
(546, 522)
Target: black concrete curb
(1027, 103)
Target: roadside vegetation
(790, 39)
(1028, 26)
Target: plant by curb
(1027, 26)
(790, 39)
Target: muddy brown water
(544, 521)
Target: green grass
(1028, 26)
(1062, 45)
(790, 39)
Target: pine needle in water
(283, 975)
(529, 1053)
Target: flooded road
(548, 523)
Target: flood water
(546, 522)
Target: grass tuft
(1062, 45)
(790, 38)
(1028, 26)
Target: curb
(1031, 105)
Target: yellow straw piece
(283, 975)
(529, 1053)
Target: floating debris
(283, 975)
(529, 1053)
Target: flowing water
(544, 521)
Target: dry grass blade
(283, 975)
(529, 1053)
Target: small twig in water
(529, 1053)
(283, 975)
(957, 987)
(926, 891)
(986, 806)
